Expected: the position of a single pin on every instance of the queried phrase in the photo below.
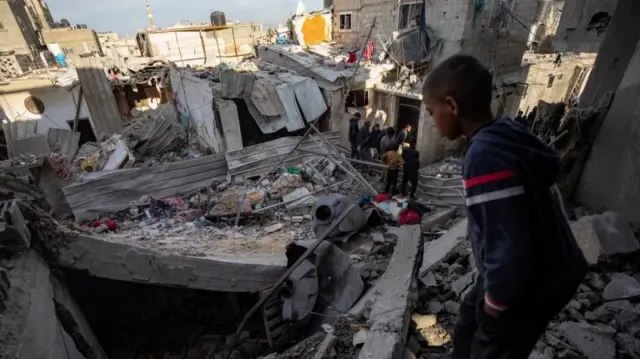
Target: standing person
(411, 158)
(374, 140)
(529, 265)
(393, 161)
(386, 142)
(364, 136)
(403, 136)
(521, 119)
(353, 134)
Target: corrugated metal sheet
(105, 192)
(310, 99)
(267, 124)
(295, 58)
(64, 142)
(257, 160)
(287, 95)
(265, 98)
(236, 84)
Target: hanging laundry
(370, 50)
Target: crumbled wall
(574, 33)
(610, 177)
(566, 77)
(498, 49)
(431, 145)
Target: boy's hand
(493, 313)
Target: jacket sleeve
(496, 200)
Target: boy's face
(445, 115)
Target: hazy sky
(118, 15)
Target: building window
(501, 10)
(345, 21)
(409, 15)
(68, 51)
(552, 78)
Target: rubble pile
(572, 134)
(597, 323)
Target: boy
(411, 158)
(393, 161)
(374, 140)
(529, 265)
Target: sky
(125, 16)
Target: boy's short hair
(466, 80)
(357, 114)
(391, 130)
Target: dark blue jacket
(520, 236)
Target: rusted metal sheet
(256, 160)
(64, 142)
(105, 192)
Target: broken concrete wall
(615, 53)
(29, 327)
(578, 30)
(607, 184)
(195, 104)
(550, 82)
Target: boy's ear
(451, 103)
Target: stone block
(438, 217)
(435, 251)
(37, 146)
(621, 286)
(382, 345)
(14, 233)
(605, 234)
(589, 340)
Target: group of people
(395, 149)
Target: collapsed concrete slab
(108, 259)
(436, 250)
(13, 227)
(396, 293)
(438, 217)
(606, 233)
(29, 327)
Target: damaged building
(214, 212)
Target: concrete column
(610, 177)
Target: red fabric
(352, 58)
(370, 50)
(381, 198)
(409, 216)
(491, 177)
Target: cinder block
(14, 233)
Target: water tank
(218, 18)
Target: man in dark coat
(353, 134)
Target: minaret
(152, 23)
